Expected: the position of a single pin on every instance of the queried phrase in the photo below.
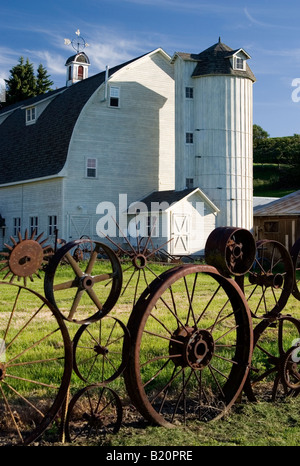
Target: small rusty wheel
(35, 364)
(291, 368)
(26, 257)
(93, 412)
(270, 280)
(273, 339)
(231, 250)
(98, 350)
(295, 254)
(191, 345)
(83, 291)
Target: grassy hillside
(273, 180)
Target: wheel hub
(192, 347)
(2, 371)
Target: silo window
(189, 92)
(189, 138)
(239, 63)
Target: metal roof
(287, 205)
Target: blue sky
(118, 30)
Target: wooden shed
(279, 220)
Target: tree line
(283, 151)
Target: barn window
(34, 223)
(17, 225)
(189, 138)
(30, 115)
(52, 224)
(271, 227)
(189, 92)
(114, 96)
(91, 168)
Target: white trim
(34, 180)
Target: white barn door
(79, 225)
(180, 229)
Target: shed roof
(287, 205)
(215, 61)
(29, 152)
(170, 197)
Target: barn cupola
(78, 64)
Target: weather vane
(78, 43)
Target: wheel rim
(36, 363)
(273, 340)
(93, 412)
(93, 289)
(201, 347)
(269, 282)
(98, 350)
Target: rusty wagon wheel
(273, 342)
(98, 350)
(35, 364)
(291, 368)
(295, 254)
(191, 345)
(269, 283)
(93, 412)
(83, 291)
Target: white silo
(214, 147)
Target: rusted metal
(269, 283)
(25, 415)
(295, 255)
(26, 257)
(230, 250)
(190, 347)
(103, 289)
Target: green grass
(262, 423)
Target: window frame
(30, 113)
(33, 224)
(189, 137)
(52, 224)
(16, 225)
(115, 98)
(236, 63)
(87, 168)
(189, 92)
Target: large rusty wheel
(295, 254)
(98, 350)
(83, 290)
(269, 283)
(274, 341)
(94, 412)
(35, 364)
(191, 346)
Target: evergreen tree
(43, 83)
(23, 83)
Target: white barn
(67, 157)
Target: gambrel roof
(39, 150)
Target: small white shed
(178, 222)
